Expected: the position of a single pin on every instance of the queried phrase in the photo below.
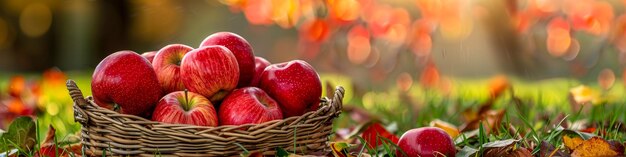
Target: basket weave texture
(105, 131)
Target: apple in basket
(166, 64)
(294, 85)
(182, 107)
(125, 82)
(210, 71)
(426, 142)
(248, 105)
(149, 55)
(260, 64)
(240, 48)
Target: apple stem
(186, 97)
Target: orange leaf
(452, 130)
(572, 142)
(595, 146)
(498, 85)
(340, 149)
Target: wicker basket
(106, 131)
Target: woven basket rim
(325, 105)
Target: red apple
(294, 85)
(166, 64)
(149, 55)
(210, 71)
(182, 107)
(240, 48)
(248, 105)
(426, 142)
(260, 64)
(125, 81)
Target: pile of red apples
(180, 84)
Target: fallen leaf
(500, 143)
(497, 85)
(340, 149)
(584, 95)
(505, 148)
(466, 152)
(447, 127)
(617, 147)
(22, 132)
(373, 131)
(595, 146)
(491, 122)
(572, 142)
(583, 135)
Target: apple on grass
(210, 71)
(260, 64)
(125, 82)
(240, 48)
(248, 105)
(149, 55)
(294, 85)
(426, 142)
(183, 107)
(166, 64)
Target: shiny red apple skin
(260, 64)
(210, 71)
(426, 142)
(149, 55)
(248, 105)
(128, 80)
(194, 109)
(240, 48)
(294, 85)
(166, 64)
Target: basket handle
(76, 94)
(337, 103)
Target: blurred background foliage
(379, 50)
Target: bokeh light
(404, 81)
(559, 38)
(606, 78)
(359, 47)
(35, 19)
(259, 12)
(285, 13)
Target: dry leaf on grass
(548, 150)
(491, 122)
(572, 142)
(505, 148)
(594, 147)
(452, 130)
(497, 85)
(373, 133)
(340, 149)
